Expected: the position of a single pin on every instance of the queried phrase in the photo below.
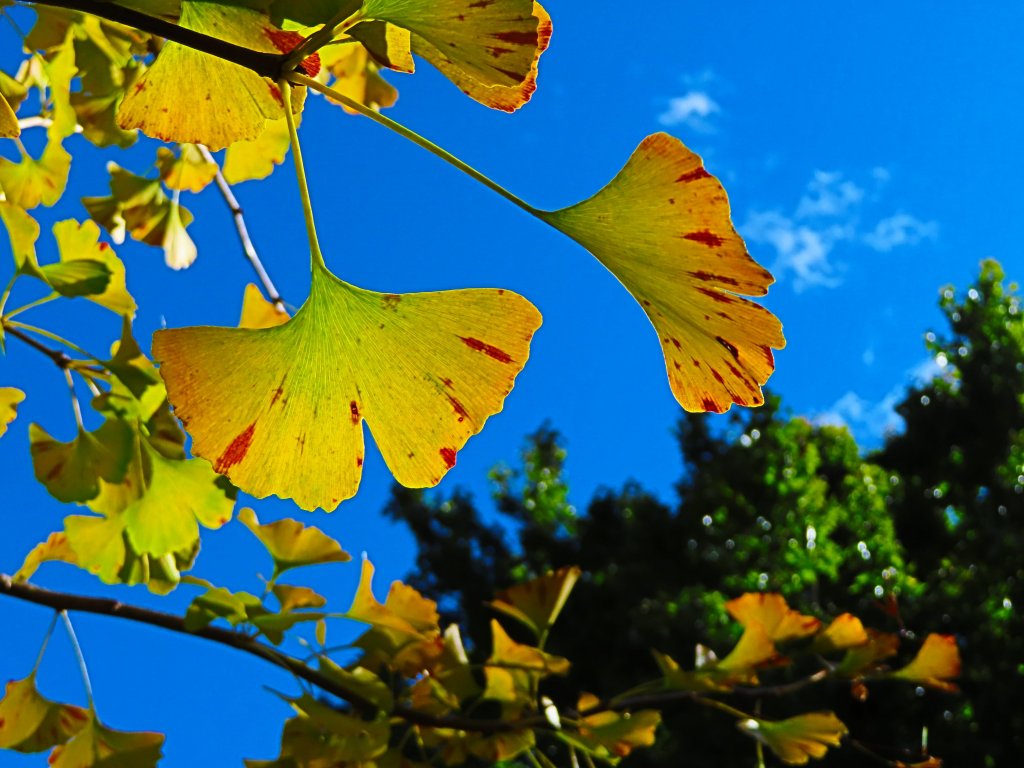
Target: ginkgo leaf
(60, 71)
(361, 681)
(862, 658)
(258, 313)
(936, 662)
(98, 545)
(55, 549)
(9, 128)
(77, 278)
(537, 603)
(97, 746)
(513, 668)
(72, 471)
(280, 410)
(292, 544)
(845, 632)
(662, 227)
(367, 608)
(187, 96)
(256, 159)
(676, 678)
(9, 399)
(179, 250)
(770, 610)
(292, 598)
(328, 737)
(754, 650)
(389, 45)
(23, 232)
(479, 45)
(32, 182)
(797, 739)
(356, 76)
(613, 735)
(80, 243)
(31, 723)
(219, 603)
(189, 170)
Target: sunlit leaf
(97, 746)
(33, 182)
(936, 663)
(79, 243)
(675, 678)
(188, 171)
(754, 651)
(362, 682)
(98, 545)
(60, 71)
(72, 471)
(770, 610)
(799, 738)
(333, 735)
(662, 227)
(357, 75)
(9, 399)
(55, 549)
(292, 544)
(538, 602)
(845, 632)
(23, 232)
(187, 96)
(513, 668)
(219, 603)
(179, 250)
(280, 410)
(9, 128)
(256, 159)
(613, 735)
(31, 723)
(367, 608)
(479, 45)
(258, 313)
(292, 598)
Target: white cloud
(901, 229)
(693, 110)
(828, 194)
(800, 249)
(867, 420)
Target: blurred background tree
(922, 535)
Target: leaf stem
(31, 305)
(415, 138)
(46, 642)
(316, 256)
(75, 405)
(248, 248)
(12, 324)
(82, 668)
(322, 37)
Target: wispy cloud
(692, 110)
(830, 214)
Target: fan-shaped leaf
(256, 159)
(799, 738)
(9, 399)
(9, 128)
(31, 723)
(537, 603)
(189, 170)
(936, 662)
(770, 610)
(32, 182)
(662, 227)
(72, 471)
(613, 735)
(292, 544)
(80, 243)
(96, 746)
(280, 410)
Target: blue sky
(871, 155)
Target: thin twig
(58, 357)
(243, 231)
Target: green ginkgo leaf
(9, 400)
(797, 739)
(31, 182)
(76, 278)
(97, 544)
(292, 598)
(662, 227)
(219, 603)
(80, 243)
(96, 746)
(60, 70)
(489, 49)
(187, 96)
(72, 471)
(280, 410)
(31, 723)
(292, 544)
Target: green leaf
(424, 370)
(9, 399)
(362, 682)
(537, 603)
(336, 736)
(30, 182)
(662, 227)
(72, 471)
(31, 723)
(292, 544)
(219, 603)
(96, 746)
(797, 739)
(76, 278)
(80, 244)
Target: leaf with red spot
(489, 48)
(31, 723)
(96, 746)
(280, 410)
(192, 97)
(662, 227)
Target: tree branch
(61, 360)
(243, 231)
(265, 64)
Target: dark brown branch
(59, 358)
(266, 64)
(60, 601)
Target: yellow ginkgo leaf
(936, 662)
(754, 651)
(192, 97)
(32, 182)
(489, 49)
(797, 739)
(780, 621)
(81, 242)
(845, 631)
(538, 602)
(256, 159)
(613, 735)
(9, 128)
(31, 723)
(258, 313)
(189, 170)
(280, 410)
(662, 227)
(292, 544)
(9, 399)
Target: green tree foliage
(923, 534)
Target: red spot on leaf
(286, 42)
(458, 408)
(391, 301)
(278, 392)
(353, 408)
(359, 461)
(704, 237)
(235, 452)
(768, 356)
(446, 382)
(730, 347)
(491, 351)
(717, 375)
(710, 405)
(517, 37)
(448, 454)
(712, 277)
(699, 173)
(718, 296)
(275, 93)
